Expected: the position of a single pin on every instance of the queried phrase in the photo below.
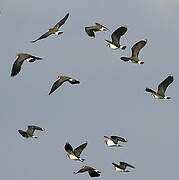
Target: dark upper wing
(79, 149)
(137, 47)
(124, 164)
(61, 22)
(23, 133)
(164, 84)
(90, 32)
(43, 36)
(93, 173)
(68, 148)
(150, 90)
(56, 84)
(115, 139)
(84, 169)
(116, 165)
(119, 138)
(117, 34)
(17, 66)
(32, 128)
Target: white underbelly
(72, 157)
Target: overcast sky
(110, 99)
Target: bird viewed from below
(91, 29)
(113, 141)
(54, 30)
(160, 94)
(19, 61)
(135, 52)
(91, 171)
(122, 167)
(116, 35)
(75, 154)
(61, 80)
(30, 131)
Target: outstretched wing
(116, 35)
(68, 147)
(61, 22)
(119, 138)
(23, 133)
(126, 164)
(116, 165)
(90, 32)
(79, 149)
(150, 90)
(137, 47)
(32, 128)
(17, 66)
(164, 84)
(43, 36)
(115, 139)
(93, 173)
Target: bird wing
(32, 128)
(93, 173)
(119, 138)
(61, 22)
(45, 35)
(68, 148)
(150, 90)
(90, 32)
(137, 47)
(117, 34)
(23, 133)
(115, 139)
(116, 165)
(84, 169)
(57, 84)
(164, 84)
(124, 164)
(17, 66)
(79, 149)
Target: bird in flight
(30, 131)
(91, 171)
(122, 167)
(116, 35)
(61, 80)
(91, 29)
(54, 30)
(160, 94)
(75, 154)
(19, 61)
(113, 141)
(135, 52)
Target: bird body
(113, 141)
(122, 167)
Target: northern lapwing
(91, 29)
(135, 52)
(30, 131)
(61, 80)
(54, 30)
(75, 154)
(113, 141)
(19, 61)
(91, 171)
(160, 94)
(116, 35)
(122, 167)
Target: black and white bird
(116, 35)
(61, 80)
(135, 52)
(54, 30)
(91, 171)
(30, 131)
(75, 154)
(91, 29)
(20, 60)
(160, 94)
(122, 167)
(113, 141)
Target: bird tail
(140, 62)
(167, 97)
(125, 59)
(35, 137)
(81, 159)
(123, 47)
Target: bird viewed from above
(122, 167)
(116, 35)
(30, 131)
(113, 141)
(61, 80)
(19, 61)
(91, 171)
(75, 154)
(135, 52)
(54, 30)
(91, 29)
(160, 94)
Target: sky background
(110, 100)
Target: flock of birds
(112, 141)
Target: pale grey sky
(110, 100)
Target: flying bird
(116, 35)
(61, 80)
(91, 29)
(19, 61)
(30, 131)
(135, 52)
(113, 141)
(75, 154)
(122, 167)
(54, 30)
(160, 94)
(91, 171)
